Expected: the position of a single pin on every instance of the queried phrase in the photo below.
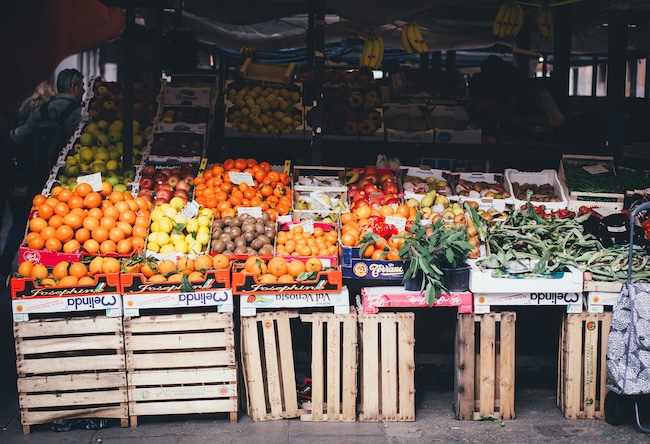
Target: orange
(93, 200)
(45, 211)
(61, 209)
(348, 239)
(386, 210)
(25, 268)
(137, 243)
(221, 262)
(167, 266)
(185, 264)
(110, 265)
(403, 210)
(95, 265)
(105, 204)
(91, 246)
(48, 282)
(295, 267)
(36, 243)
(48, 232)
(124, 246)
(55, 221)
(64, 195)
(363, 212)
(107, 189)
(111, 211)
(149, 269)
(73, 220)
(30, 235)
(176, 277)
(277, 266)
(100, 234)
(60, 270)
(116, 196)
(71, 246)
(68, 281)
(313, 264)
(195, 276)
(76, 202)
(83, 189)
(140, 231)
(108, 246)
(108, 222)
(203, 262)
(141, 220)
(141, 202)
(157, 278)
(78, 270)
(86, 280)
(52, 201)
(368, 251)
(56, 190)
(128, 229)
(53, 244)
(38, 200)
(121, 206)
(305, 250)
(36, 224)
(95, 213)
(90, 223)
(39, 271)
(64, 233)
(267, 278)
(127, 216)
(286, 278)
(82, 235)
(133, 205)
(255, 265)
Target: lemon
(203, 238)
(204, 221)
(192, 225)
(167, 248)
(181, 246)
(166, 225)
(157, 214)
(152, 246)
(162, 238)
(170, 212)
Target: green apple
(86, 139)
(90, 129)
(102, 125)
(120, 187)
(113, 179)
(114, 136)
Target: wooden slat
(317, 373)
(290, 397)
(183, 407)
(560, 367)
(66, 344)
(181, 322)
(464, 367)
(606, 325)
(333, 380)
(487, 364)
(71, 399)
(71, 382)
(406, 372)
(507, 366)
(170, 393)
(590, 365)
(71, 364)
(42, 417)
(252, 370)
(573, 347)
(370, 368)
(274, 384)
(181, 359)
(389, 375)
(182, 376)
(350, 366)
(67, 327)
(179, 341)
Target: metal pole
(319, 67)
(562, 55)
(129, 78)
(450, 60)
(594, 76)
(616, 61)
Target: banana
(544, 22)
(498, 21)
(353, 176)
(379, 48)
(374, 52)
(405, 40)
(365, 54)
(415, 42)
(418, 35)
(518, 22)
(507, 21)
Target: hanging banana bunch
(509, 19)
(544, 22)
(412, 39)
(248, 51)
(373, 51)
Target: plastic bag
(65, 425)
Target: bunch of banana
(509, 20)
(248, 51)
(412, 38)
(544, 22)
(373, 51)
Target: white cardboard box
(392, 111)
(453, 125)
(537, 178)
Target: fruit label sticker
(253, 211)
(308, 225)
(190, 210)
(238, 178)
(398, 222)
(94, 180)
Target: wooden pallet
(484, 376)
(181, 364)
(333, 367)
(387, 367)
(268, 366)
(70, 368)
(582, 365)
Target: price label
(190, 210)
(399, 222)
(238, 178)
(308, 225)
(251, 211)
(595, 169)
(319, 201)
(94, 180)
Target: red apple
(391, 201)
(370, 169)
(370, 188)
(353, 187)
(149, 170)
(160, 177)
(359, 203)
(390, 188)
(386, 176)
(146, 182)
(182, 193)
(159, 201)
(173, 180)
(175, 170)
(184, 185)
(164, 193)
(375, 202)
(146, 193)
(189, 178)
(371, 178)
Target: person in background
(44, 92)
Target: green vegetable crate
(591, 181)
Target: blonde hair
(44, 92)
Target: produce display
(350, 112)
(178, 144)
(243, 235)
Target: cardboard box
(354, 267)
(484, 202)
(178, 144)
(536, 178)
(136, 283)
(26, 288)
(424, 172)
(453, 125)
(267, 72)
(189, 91)
(407, 123)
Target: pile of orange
(280, 269)
(355, 224)
(168, 270)
(68, 274)
(270, 189)
(101, 222)
(298, 242)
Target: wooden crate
(333, 367)
(484, 363)
(268, 366)
(70, 368)
(387, 367)
(181, 364)
(582, 366)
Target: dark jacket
(22, 135)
